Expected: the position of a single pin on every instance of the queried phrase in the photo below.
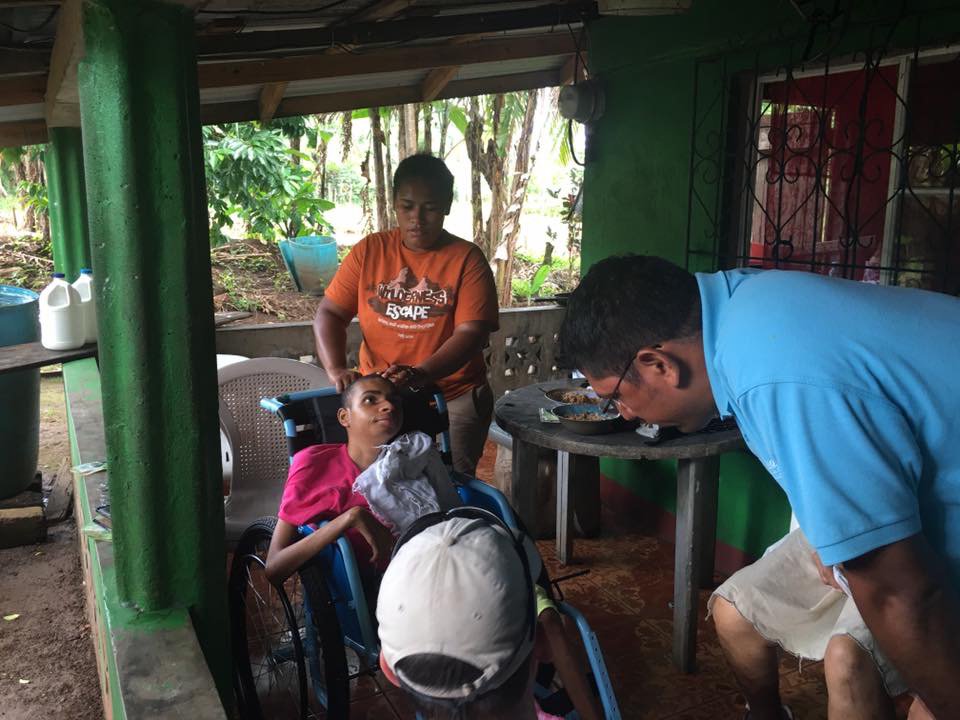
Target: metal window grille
(847, 166)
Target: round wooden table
(698, 464)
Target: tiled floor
(626, 597)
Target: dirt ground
(47, 665)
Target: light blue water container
(311, 262)
(19, 393)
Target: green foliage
(459, 118)
(255, 176)
(9, 156)
(34, 195)
(530, 287)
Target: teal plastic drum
(19, 393)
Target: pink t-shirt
(320, 487)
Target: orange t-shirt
(410, 302)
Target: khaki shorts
(470, 416)
(782, 596)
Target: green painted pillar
(67, 191)
(146, 198)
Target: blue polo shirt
(849, 394)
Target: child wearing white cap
(458, 619)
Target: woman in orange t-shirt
(427, 303)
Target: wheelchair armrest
(359, 605)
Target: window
(851, 171)
(853, 178)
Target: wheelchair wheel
(274, 640)
(267, 643)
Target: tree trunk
(365, 196)
(493, 167)
(44, 214)
(19, 175)
(347, 133)
(444, 121)
(378, 141)
(388, 157)
(402, 151)
(30, 175)
(427, 112)
(408, 130)
(518, 192)
(474, 131)
(320, 162)
(295, 146)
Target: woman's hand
(406, 376)
(343, 378)
(380, 540)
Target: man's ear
(657, 366)
(343, 417)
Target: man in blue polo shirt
(848, 393)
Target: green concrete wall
(636, 185)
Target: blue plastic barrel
(19, 393)
(311, 262)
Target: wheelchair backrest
(310, 417)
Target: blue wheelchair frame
(342, 574)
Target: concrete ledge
(150, 664)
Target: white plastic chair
(259, 448)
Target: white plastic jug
(84, 286)
(61, 319)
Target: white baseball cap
(459, 589)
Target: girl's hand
(380, 540)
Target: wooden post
(523, 483)
(564, 509)
(696, 487)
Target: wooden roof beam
(22, 89)
(436, 81)
(62, 99)
(398, 95)
(382, 9)
(23, 132)
(270, 96)
(416, 57)
(398, 31)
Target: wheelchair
(298, 646)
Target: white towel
(407, 480)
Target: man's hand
(380, 540)
(826, 573)
(343, 378)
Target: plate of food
(574, 396)
(587, 419)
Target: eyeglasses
(616, 388)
